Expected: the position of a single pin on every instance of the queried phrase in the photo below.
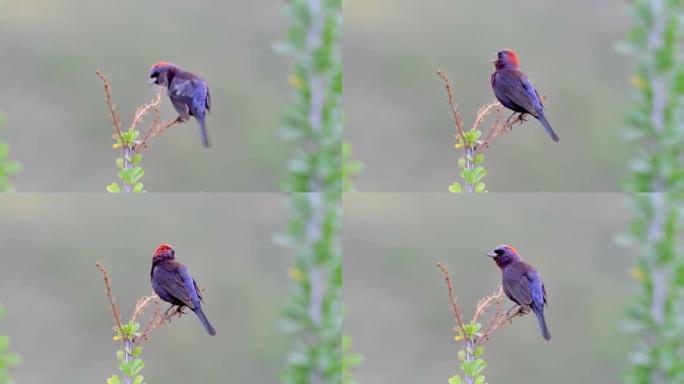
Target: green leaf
(455, 188)
(137, 187)
(455, 379)
(478, 174)
(461, 163)
(113, 188)
(137, 366)
(114, 380)
(478, 351)
(479, 158)
(480, 187)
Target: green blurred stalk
(315, 181)
(8, 167)
(656, 311)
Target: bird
(515, 91)
(172, 282)
(189, 93)
(522, 284)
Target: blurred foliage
(655, 314)
(8, 360)
(472, 363)
(130, 362)
(8, 167)
(470, 164)
(314, 120)
(128, 164)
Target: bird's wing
(532, 93)
(514, 85)
(208, 99)
(536, 287)
(197, 290)
(519, 288)
(194, 91)
(172, 280)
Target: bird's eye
(499, 251)
(154, 74)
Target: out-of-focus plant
(8, 167)
(655, 315)
(315, 181)
(129, 142)
(130, 335)
(8, 359)
(471, 334)
(470, 142)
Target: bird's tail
(203, 133)
(542, 323)
(207, 325)
(547, 126)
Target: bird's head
(161, 73)
(506, 58)
(163, 252)
(504, 255)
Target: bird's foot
(508, 121)
(167, 311)
(515, 312)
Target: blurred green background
(398, 119)
(58, 316)
(54, 104)
(399, 313)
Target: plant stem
(127, 157)
(469, 358)
(128, 347)
(469, 165)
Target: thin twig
(112, 301)
(456, 117)
(156, 129)
(499, 127)
(113, 115)
(458, 315)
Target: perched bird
(522, 284)
(515, 91)
(172, 282)
(188, 92)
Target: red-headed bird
(515, 91)
(188, 92)
(522, 284)
(172, 282)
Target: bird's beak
(495, 54)
(491, 254)
(151, 81)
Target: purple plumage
(172, 282)
(522, 284)
(188, 92)
(515, 91)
